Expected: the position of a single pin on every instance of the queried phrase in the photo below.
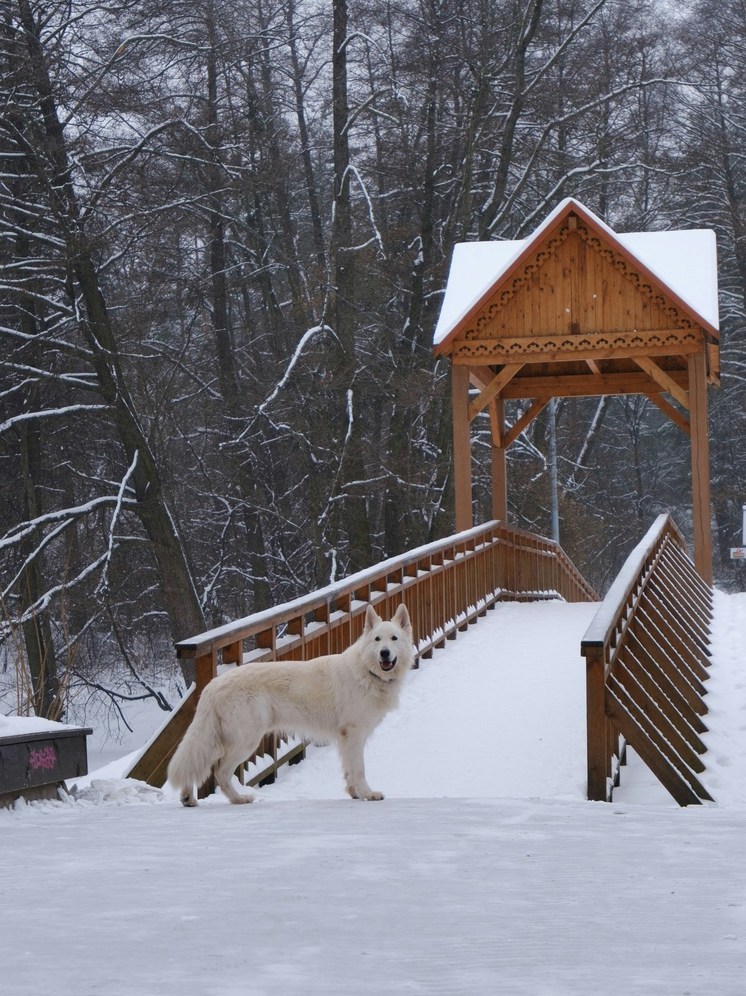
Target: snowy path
(445, 897)
(484, 871)
(500, 712)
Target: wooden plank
(691, 642)
(494, 388)
(524, 421)
(698, 614)
(461, 447)
(662, 760)
(499, 462)
(582, 385)
(659, 623)
(643, 684)
(704, 591)
(598, 761)
(662, 378)
(672, 680)
(152, 765)
(653, 634)
(700, 456)
(674, 587)
(233, 653)
(677, 417)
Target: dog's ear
(371, 618)
(401, 618)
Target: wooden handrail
(485, 563)
(646, 660)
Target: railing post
(205, 669)
(597, 724)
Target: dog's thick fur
(341, 697)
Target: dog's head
(388, 644)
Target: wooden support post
(499, 463)
(461, 446)
(597, 725)
(700, 466)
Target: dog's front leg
(351, 743)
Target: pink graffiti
(45, 758)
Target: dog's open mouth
(388, 665)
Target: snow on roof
(685, 261)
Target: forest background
(225, 229)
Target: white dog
(341, 697)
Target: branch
(305, 338)
(49, 412)
(104, 582)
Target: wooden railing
(446, 585)
(646, 655)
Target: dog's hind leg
(224, 770)
(188, 798)
(351, 743)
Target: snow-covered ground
(484, 871)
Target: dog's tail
(198, 751)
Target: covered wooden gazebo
(577, 310)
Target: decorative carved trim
(519, 281)
(600, 344)
(644, 288)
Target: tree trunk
(179, 594)
(350, 514)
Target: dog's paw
(237, 798)
(366, 794)
(188, 800)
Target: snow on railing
(446, 586)
(646, 654)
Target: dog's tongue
(388, 665)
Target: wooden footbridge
(646, 650)
(574, 310)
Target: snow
(484, 871)
(683, 260)
(23, 726)
(601, 626)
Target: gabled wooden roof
(579, 302)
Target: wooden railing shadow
(646, 655)
(446, 586)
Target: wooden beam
(662, 377)
(593, 367)
(673, 413)
(461, 447)
(701, 512)
(497, 421)
(524, 421)
(480, 377)
(586, 385)
(494, 387)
